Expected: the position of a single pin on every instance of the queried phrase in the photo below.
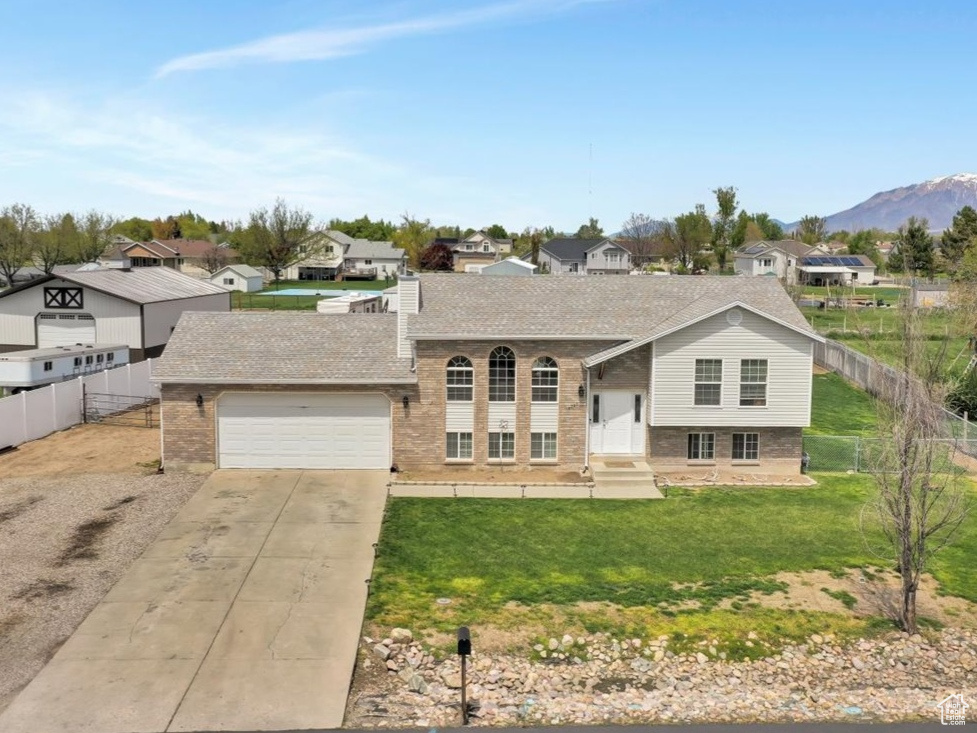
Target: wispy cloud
(189, 161)
(323, 44)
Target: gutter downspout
(586, 418)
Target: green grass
(266, 301)
(846, 598)
(838, 408)
(356, 285)
(889, 294)
(699, 547)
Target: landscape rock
(402, 636)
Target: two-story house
(688, 373)
(477, 250)
(780, 259)
(571, 256)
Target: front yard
(710, 563)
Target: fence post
(858, 442)
(84, 403)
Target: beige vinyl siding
(116, 320)
(544, 417)
(161, 318)
(789, 363)
(459, 417)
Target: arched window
(546, 379)
(460, 379)
(502, 375)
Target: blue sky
(521, 112)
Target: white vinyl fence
(39, 412)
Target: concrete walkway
(244, 614)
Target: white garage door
(281, 430)
(64, 329)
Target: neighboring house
(324, 260)
(366, 260)
(693, 374)
(476, 250)
(510, 266)
(502, 247)
(189, 256)
(777, 258)
(836, 270)
(571, 256)
(239, 277)
(138, 308)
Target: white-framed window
(766, 263)
(367, 262)
(502, 375)
(48, 366)
(469, 247)
(612, 256)
(88, 359)
(637, 408)
(99, 358)
(595, 408)
(702, 446)
(546, 380)
(110, 357)
(502, 446)
(485, 248)
(460, 378)
(77, 361)
(708, 381)
(228, 280)
(459, 446)
(753, 383)
(746, 446)
(542, 446)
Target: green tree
(95, 235)
(56, 241)
(497, 231)
(863, 242)
(960, 237)
(412, 236)
(365, 228)
(772, 231)
(279, 238)
(687, 236)
(812, 229)
(739, 235)
(914, 251)
(168, 228)
(591, 230)
(136, 229)
(18, 230)
(722, 228)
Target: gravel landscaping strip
(64, 542)
(598, 679)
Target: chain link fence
(867, 455)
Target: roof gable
(570, 248)
(141, 285)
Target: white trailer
(31, 368)
(352, 303)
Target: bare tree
(94, 236)
(641, 236)
(279, 238)
(18, 229)
(214, 259)
(920, 502)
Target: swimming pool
(322, 293)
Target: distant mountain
(936, 200)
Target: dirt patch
(731, 478)
(44, 588)
(85, 449)
(15, 510)
(84, 542)
(493, 476)
(819, 370)
(876, 593)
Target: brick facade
(418, 432)
(780, 450)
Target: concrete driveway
(244, 614)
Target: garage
(295, 430)
(64, 329)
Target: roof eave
(481, 336)
(237, 380)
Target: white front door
(614, 427)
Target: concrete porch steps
(623, 477)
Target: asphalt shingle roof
(365, 249)
(620, 307)
(569, 248)
(285, 347)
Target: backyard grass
(838, 408)
(267, 299)
(356, 285)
